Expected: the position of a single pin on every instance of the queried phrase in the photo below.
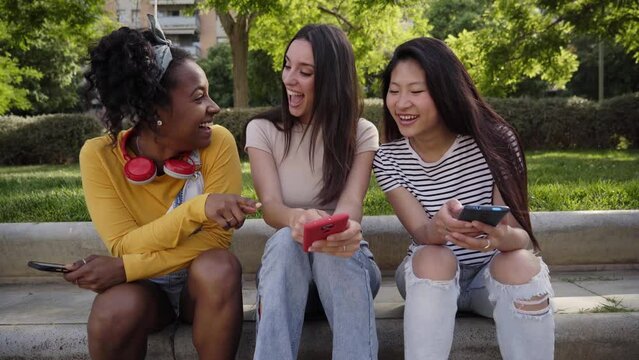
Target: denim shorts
(172, 285)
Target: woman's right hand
(229, 210)
(301, 217)
(445, 221)
(97, 273)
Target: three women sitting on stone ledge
(164, 198)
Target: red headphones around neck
(141, 170)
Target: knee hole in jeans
(535, 306)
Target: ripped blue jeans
(430, 308)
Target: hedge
(45, 139)
(543, 124)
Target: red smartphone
(50, 267)
(321, 228)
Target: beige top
(300, 182)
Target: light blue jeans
(430, 308)
(346, 289)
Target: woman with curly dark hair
(163, 196)
(445, 148)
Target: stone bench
(592, 256)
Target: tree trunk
(237, 29)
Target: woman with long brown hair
(444, 147)
(311, 158)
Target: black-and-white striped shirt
(462, 173)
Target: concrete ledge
(583, 336)
(567, 238)
(48, 321)
(44, 318)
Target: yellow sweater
(132, 220)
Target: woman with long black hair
(444, 147)
(311, 158)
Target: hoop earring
(158, 123)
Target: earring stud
(159, 123)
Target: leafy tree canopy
(11, 78)
(374, 28)
(450, 17)
(47, 41)
(518, 42)
(615, 20)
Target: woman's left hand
(495, 236)
(97, 273)
(343, 244)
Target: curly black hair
(124, 72)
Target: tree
(48, 41)
(237, 17)
(616, 21)
(373, 36)
(11, 78)
(450, 17)
(217, 66)
(621, 70)
(519, 41)
(271, 23)
(263, 82)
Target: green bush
(235, 121)
(45, 139)
(620, 117)
(543, 124)
(573, 123)
(560, 123)
(218, 67)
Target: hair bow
(162, 51)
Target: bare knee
(117, 313)
(514, 267)
(215, 270)
(434, 262)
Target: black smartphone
(488, 214)
(50, 267)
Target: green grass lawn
(558, 181)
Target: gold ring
(84, 261)
(487, 244)
(228, 220)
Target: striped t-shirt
(461, 173)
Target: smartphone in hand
(321, 228)
(50, 267)
(488, 214)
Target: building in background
(196, 32)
